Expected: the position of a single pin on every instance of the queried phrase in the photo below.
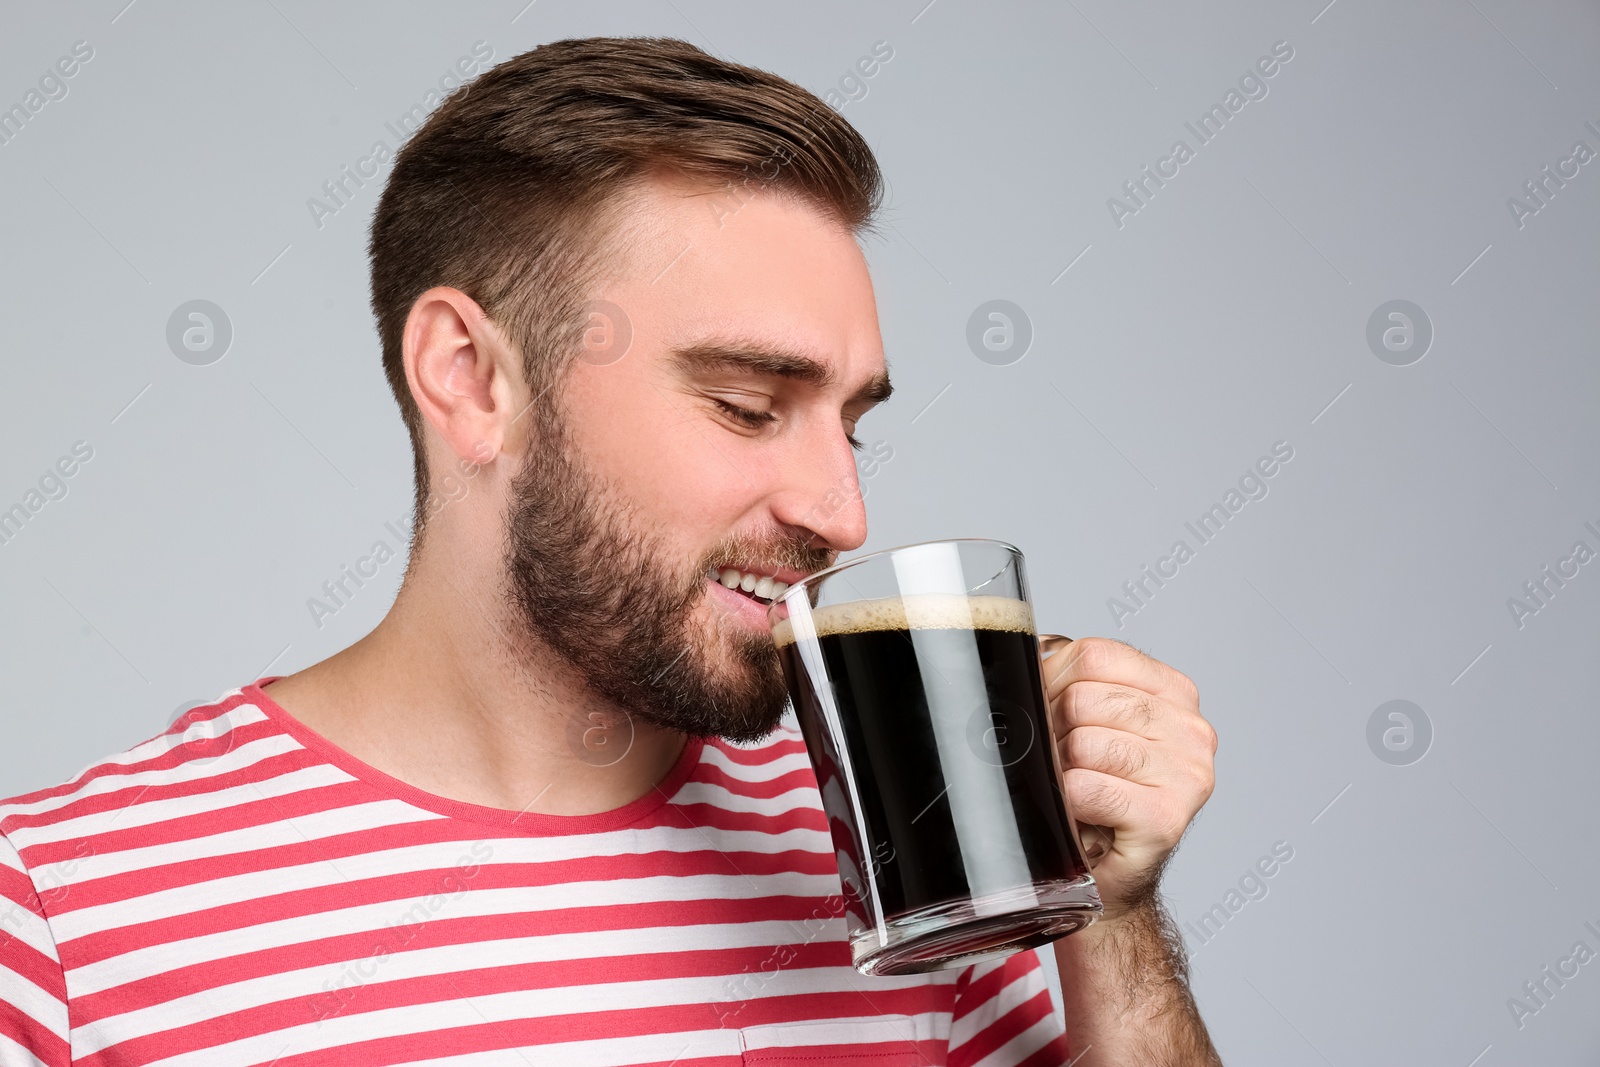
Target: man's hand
(1136, 766)
(1137, 757)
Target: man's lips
(748, 590)
(738, 604)
(765, 583)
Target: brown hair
(504, 191)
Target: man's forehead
(779, 288)
(665, 213)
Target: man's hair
(505, 193)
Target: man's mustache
(791, 552)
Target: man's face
(718, 442)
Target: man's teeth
(760, 585)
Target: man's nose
(823, 495)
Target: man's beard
(590, 583)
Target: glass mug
(916, 676)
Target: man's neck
(447, 697)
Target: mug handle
(1049, 643)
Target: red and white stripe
(239, 891)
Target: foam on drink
(918, 611)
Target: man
(546, 811)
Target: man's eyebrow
(762, 359)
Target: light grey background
(1228, 313)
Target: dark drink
(944, 801)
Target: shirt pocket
(883, 1041)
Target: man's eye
(750, 418)
(754, 419)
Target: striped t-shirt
(239, 890)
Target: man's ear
(463, 374)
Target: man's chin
(742, 700)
